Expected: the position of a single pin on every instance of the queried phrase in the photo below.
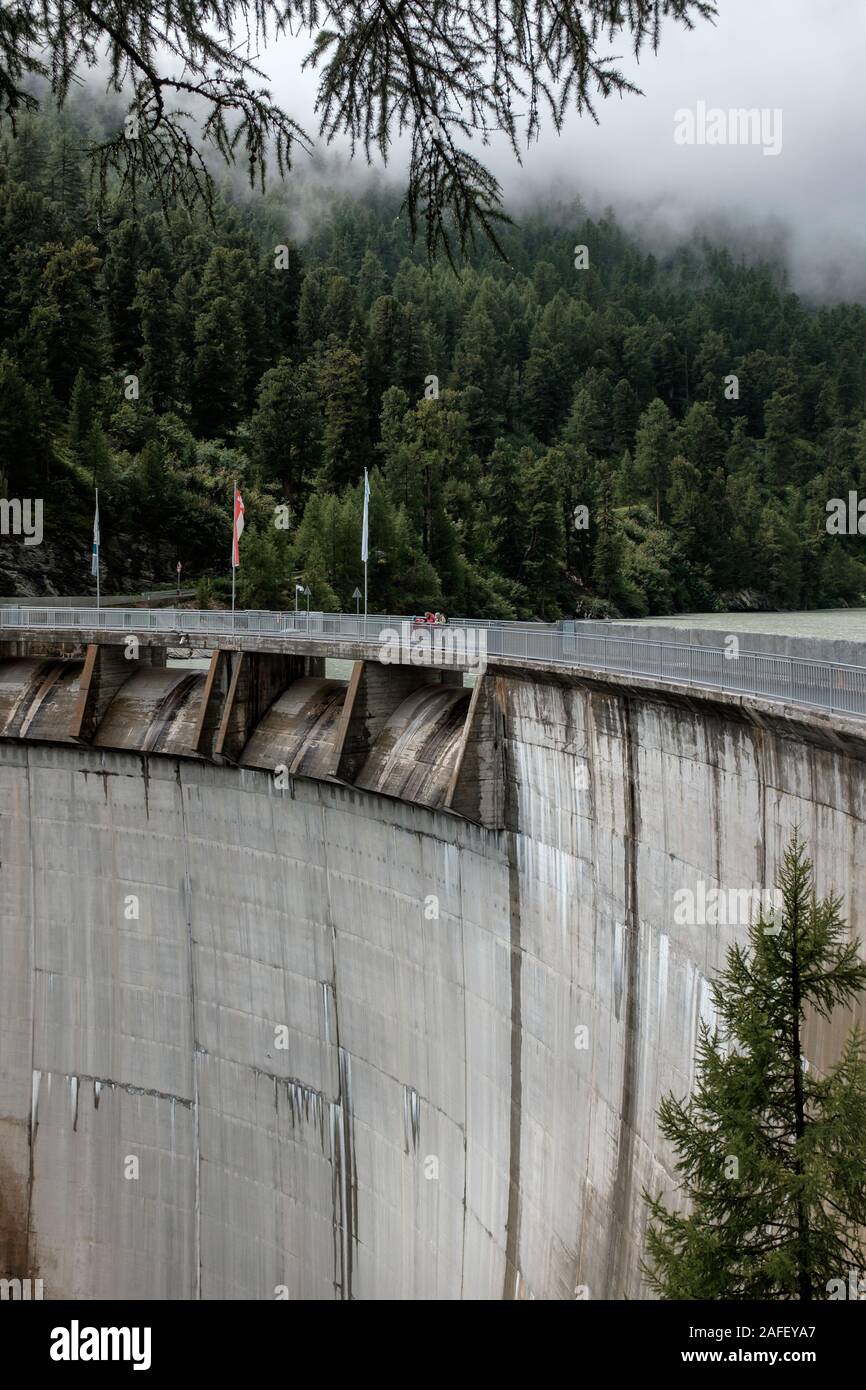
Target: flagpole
(234, 504)
(365, 539)
(98, 547)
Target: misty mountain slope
(587, 428)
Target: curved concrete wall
(334, 1035)
(416, 753)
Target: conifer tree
(24, 444)
(155, 308)
(286, 428)
(383, 69)
(69, 317)
(505, 510)
(654, 453)
(120, 270)
(343, 393)
(542, 565)
(772, 1154)
(607, 554)
(219, 367)
(65, 182)
(82, 410)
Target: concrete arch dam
(368, 989)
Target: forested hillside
(162, 356)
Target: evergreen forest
(585, 427)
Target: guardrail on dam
(368, 988)
(806, 680)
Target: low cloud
(806, 205)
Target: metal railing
(822, 685)
(110, 600)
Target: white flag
(94, 560)
(365, 529)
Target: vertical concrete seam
(622, 1187)
(465, 1065)
(760, 761)
(511, 1282)
(187, 901)
(345, 1177)
(591, 743)
(34, 1120)
(715, 775)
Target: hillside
(163, 357)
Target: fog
(805, 203)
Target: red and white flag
(237, 529)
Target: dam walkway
(829, 686)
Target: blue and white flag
(94, 563)
(365, 529)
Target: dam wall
(313, 1041)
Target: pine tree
(391, 350)
(772, 1154)
(264, 575)
(701, 439)
(82, 410)
(69, 316)
(219, 368)
(231, 274)
(311, 308)
(505, 510)
(778, 567)
(95, 455)
(607, 553)
(654, 453)
(624, 417)
(286, 428)
(155, 308)
(546, 392)
(27, 164)
(65, 182)
(588, 425)
(373, 282)
(281, 293)
(343, 396)
(577, 484)
(123, 256)
(185, 310)
(543, 560)
(24, 443)
(315, 575)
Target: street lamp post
(308, 591)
